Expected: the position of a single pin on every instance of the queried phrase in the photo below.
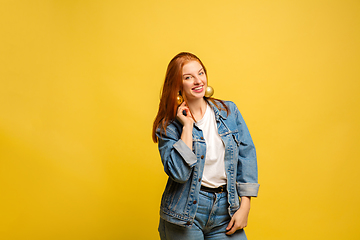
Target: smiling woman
(194, 80)
(208, 155)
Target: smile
(198, 88)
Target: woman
(208, 154)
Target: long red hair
(173, 84)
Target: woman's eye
(187, 78)
(201, 73)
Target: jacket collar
(218, 112)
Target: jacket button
(202, 138)
(199, 179)
(188, 223)
(194, 202)
(202, 156)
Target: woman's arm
(247, 174)
(176, 149)
(187, 122)
(240, 217)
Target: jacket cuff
(185, 152)
(248, 189)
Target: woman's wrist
(186, 135)
(245, 202)
(188, 129)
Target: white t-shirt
(214, 171)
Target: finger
(180, 109)
(231, 223)
(183, 104)
(232, 230)
(184, 111)
(187, 110)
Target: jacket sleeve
(247, 174)
(177, 158)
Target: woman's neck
(198, 108)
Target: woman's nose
(197, 80)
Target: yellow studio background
(79, 88)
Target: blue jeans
(210, 222)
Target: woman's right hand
(185, 120)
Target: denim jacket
(185, 166)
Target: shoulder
(230, 104)
(173, 129)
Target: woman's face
(194, 80)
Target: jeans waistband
(214, 190)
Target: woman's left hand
(240, 217)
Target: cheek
(205, 80)
(185, 87)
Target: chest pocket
(232, 136)
(230, 140)
(197, 142)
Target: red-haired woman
(208, 154)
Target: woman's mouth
(198, 89)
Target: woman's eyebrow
(201, 69)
